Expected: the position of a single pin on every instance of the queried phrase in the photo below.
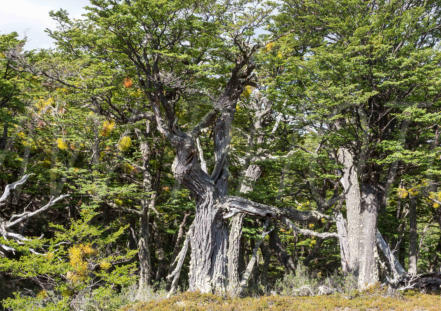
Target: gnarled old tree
(192, 61)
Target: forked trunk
(208, 240)
(362, 203)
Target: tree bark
(234, 254)
(368, 274)
(397, 269)
(413, 238)
(209, 240)
(351, 188)
(362, 205)
(343, 239)
(252, 173)
(144, 254)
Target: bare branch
(13, 186)
(125, 209)
(179, 261)
(201, 156)
(397, 269)
(27, 215)
(247, 273)
(321, 235)
(233, 204)
(206, 121)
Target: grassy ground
(365, 302)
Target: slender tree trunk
(144, 254)
(342, 230)
(4, 139)
(413, 238)
(284, 258)
(147, 204)
(252, 173)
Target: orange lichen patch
(127, 82)
(196, 301)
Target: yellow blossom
(413, 191)
(105, 265)
(108, 127)
(247, 91)
(402, 193)
(42, 294)
(42, 104)
(125, 143)
(269, 46)
(62, 145)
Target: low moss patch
(195, 302)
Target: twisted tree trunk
(208, 247)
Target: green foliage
(82, 260)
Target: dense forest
(233, 147)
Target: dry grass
(363, 302)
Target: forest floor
(365, 302)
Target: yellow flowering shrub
(61, 144)
(402, 193)
(77, 256)
(107, 128)
(413, 191)
(105, 265)
(247, 91)
(125, 143)
(42, 104)
(269, 46)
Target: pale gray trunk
(397, 269)
(144, 255)
(362, 206)
(413, 238)
(208, 248)
(252, 173)
(147, 203)
(351, 188)
(234, 254)
(368, 274)
(343, 239)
